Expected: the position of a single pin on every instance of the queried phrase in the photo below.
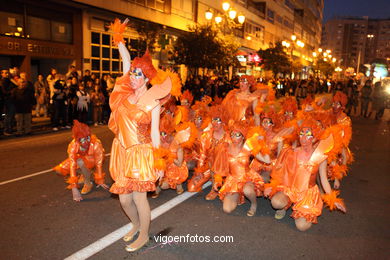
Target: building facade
(357, 40)
(32, 38)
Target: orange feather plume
(339, 171)
(118, 28)
(331, 200)
(193, 134)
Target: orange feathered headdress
(239, 126)
(218, 112)
(314, 125)
(340, 97)
(146, 65)
(80, 130)
(188, 96)
(290, 104)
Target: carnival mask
(84, 143)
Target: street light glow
(334, 60)
(314, 54)
(225, 6)
(218, 19)
(249, 38)
(209, 14)
(241, 18)
(232, 14)
(293, 37)
(328, 51)
(319, 50)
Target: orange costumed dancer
(341, 156)
(135, 121)
(232, 162)
(85, 153)
(239, 103)
(294, 178)
(209, 142)
(172, 150)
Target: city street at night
(41, 221)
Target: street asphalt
(39, 220)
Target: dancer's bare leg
(302, 224)
(129, 207)
(249, 192)
(143, 208)
(230, 202)
(279, 201)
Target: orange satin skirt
(234, 185)
(175, 175)
(307, 204)
(132, 169)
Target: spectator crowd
(63, 98)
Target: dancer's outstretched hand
(76, 195)
(340, 206)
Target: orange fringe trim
(331, 199)
(339, 171)
(72, 182)
(309, 218)
(118, 28)
(162, 157)
(99, 178)
(58, 169)
(193, 134)
(140, 186)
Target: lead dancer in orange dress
(135, 121)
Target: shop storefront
(36, 37)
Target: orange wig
(80, 130)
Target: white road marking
(33, 174)
(111, 238)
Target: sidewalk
(39, 125)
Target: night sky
(370, 8)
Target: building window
(154, 4)
(270, 15)
(289, 4)
(104, 56)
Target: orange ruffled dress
(92, 158)
(131, 162)
(298, 182)
(237, 172)
(175, 175)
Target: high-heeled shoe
(127, 237)
(87, 188)
(128, 248)
(251, 213)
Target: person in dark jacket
(24, 99)
(6, 86)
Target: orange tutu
(307, 204)
(235, 185)
(132, 168)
